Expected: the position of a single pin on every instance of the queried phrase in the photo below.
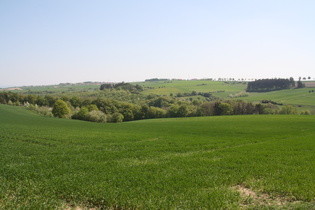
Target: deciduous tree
(60, 109)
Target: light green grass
(291, 96)
(187, 163)
(57, 89)
(165, 88)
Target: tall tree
(60, 109)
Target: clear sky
(51, 42)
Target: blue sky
(51, 42)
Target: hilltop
(113, 102)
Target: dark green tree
(225, 109)
(76, 101)
(82, 114)
(117, 117)
(60, 109)
(300, 84)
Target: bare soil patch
(309, 84)
(251, 198)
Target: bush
(92, 107)
(82, 114)
(306, 112)
(225, 109)
(43, 110)
(116, 117)
(96, 116)
(287, 109)
(269, 111)
(60, 109)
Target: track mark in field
(136, 162)
(27, 139)
(251, 198)
(147, 140)
(191, 153)
(76, 208)
(163, 158)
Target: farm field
(291, 96)
(224, 162)
(218, 88)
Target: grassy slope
(162, 88)
(166, 163)
(293, 97)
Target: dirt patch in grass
(309, 84)
(251, 198)
(76, 207)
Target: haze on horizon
(52, 42)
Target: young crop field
(222, 162)
(300, 96)
(57, 89)
(221, 89)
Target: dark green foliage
(116, 117)
(300, 84)
(92, 107)
(108, 106)
(161, 102)
(82, 114)
(225, 109)
(50, 100)
(122, 86)
(41, 101)
(107, 86)
(264, 85)
(156, 80)
(184, 110)
(76, 101)
(60, 109)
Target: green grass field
(225, 162)
(291, 96)
(220, 89)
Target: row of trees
(264, 85)
(122, 86)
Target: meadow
(222, 162)
(218, 88)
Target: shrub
(287, 109)
(82, 114)
(225, 109)
(306, 112)
(92, 107)
(43, 110)
(60, 109)
(116, 117)
(96, 116)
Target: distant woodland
(265, 85)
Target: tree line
(122, 86)
(264, 85)
(110, 110)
